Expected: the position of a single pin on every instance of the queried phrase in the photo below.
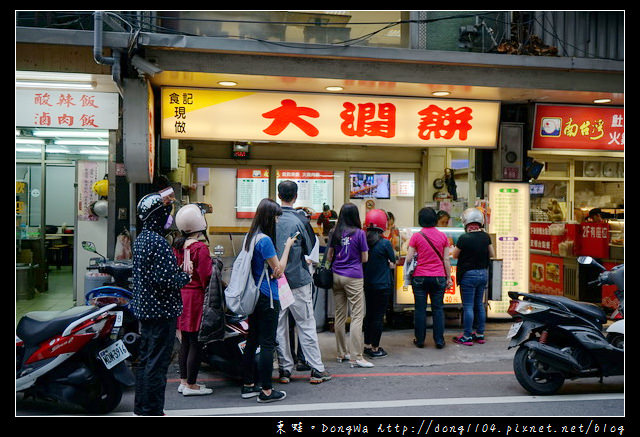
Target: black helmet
(148, 205)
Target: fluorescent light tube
(81, 142)
(70, 133)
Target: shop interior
(564, 196)
(47, 221)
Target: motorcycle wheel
(616, 340)
(105, 395)
(531, 377)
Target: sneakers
(285, 377)
(182, 386)
(461, 339)
(318, 377)
(375, 354)
(361, 363)
(200, 391)
(478, 338)
(273, 397)
(418, 345)
(301, 366)
(249, 392)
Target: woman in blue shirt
(264, 320)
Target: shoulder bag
(323, 276)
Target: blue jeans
(434, 286)
(472, 288)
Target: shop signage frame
(575, 127)
(266, 116)
(64, 109)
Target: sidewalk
(402, 353)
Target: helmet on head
(148, 205)
(472, 215)
(376, 218)
(190, 218)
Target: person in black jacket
(156, 302)
(377, 281)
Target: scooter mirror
(89, 246)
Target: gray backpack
(242, 292)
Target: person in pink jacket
(192, 252)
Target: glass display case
(403, 295)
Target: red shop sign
(594, 240)
(578, 127)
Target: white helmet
(190, 219)
(472, 215)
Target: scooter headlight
(526, 307)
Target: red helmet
(376, 218)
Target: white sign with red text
(66, 109)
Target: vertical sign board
(252, 185)
(509, 221)
(138, 131)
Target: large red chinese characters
(444, 123)
(365, 123)
(290, 113)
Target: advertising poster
(252, 185)
(546, 274)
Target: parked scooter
(226, 355)
(69, 356)
(117, 290)
(560, 339)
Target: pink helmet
(376, 218)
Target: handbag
(323, 276)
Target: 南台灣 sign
(322, 118)
(578, 127)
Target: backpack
(242, 292)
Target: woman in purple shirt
(348, 242)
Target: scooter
(69, 356)
(127, 327)
(226, 355)
(559, 339)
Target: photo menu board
(509, 221)
(315, 187)
(252, 185)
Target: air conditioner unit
(508, 158)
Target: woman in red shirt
(192, 252)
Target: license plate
(114, 354)
(514, 329)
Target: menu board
(509, 221)
(252, 185)
(315, 187)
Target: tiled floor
(58, 297)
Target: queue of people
(169, 285)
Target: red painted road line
(369, 375)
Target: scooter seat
(592, 312)
(38, 326)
